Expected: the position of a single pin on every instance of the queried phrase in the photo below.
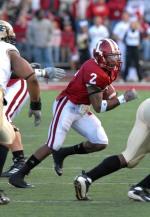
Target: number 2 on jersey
(93, 79)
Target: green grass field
(54, 196)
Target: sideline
(119, 86)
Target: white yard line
(64, 201)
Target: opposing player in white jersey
(138, 145)
(16, 96)
(12, 61)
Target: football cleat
(81, 185)
(3, 198)
(17, 180)
(138, 193)
(13, 169)
(58, 162)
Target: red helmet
(107, 55)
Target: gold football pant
(7, 133)
(138, 144)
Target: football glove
(52, 72)
(35, 110)
(130, 95)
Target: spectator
(50, 4)
(35, 5)
(83, 42)
(147, 11)
(1, 3)
(135, 6)
(54, 44)
(97, 32)
(145, 32)
(97, 8)
(133, 41)
(39, 33)
(13, 8)
(116, 8)
(67, 42)
(20, 28)
(66, 17)
(146, 45)
(118, 34)
(79, 11)
(74, 60)
(3, 15)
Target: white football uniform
(5, 64)
(138, 144)
(7, 133)
(68, 115)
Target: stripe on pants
(55, 122)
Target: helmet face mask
(7, 33)
(113, 61)
(107, 55)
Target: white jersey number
(93, 79)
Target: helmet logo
(2, 28)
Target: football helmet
(6, 32)
(107, 55)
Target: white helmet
(6, 32)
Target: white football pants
(66, 115)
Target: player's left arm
(101, 105)
(115, 101)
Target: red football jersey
(89, 73)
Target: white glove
(37, 116)
(52, 72)
(130, 95)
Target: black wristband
(36, 105)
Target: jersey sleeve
(10, 47)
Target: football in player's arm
(102, 103)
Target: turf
(53, 196)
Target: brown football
(109, 92)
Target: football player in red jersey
(72, 109)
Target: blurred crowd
(64, 32)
